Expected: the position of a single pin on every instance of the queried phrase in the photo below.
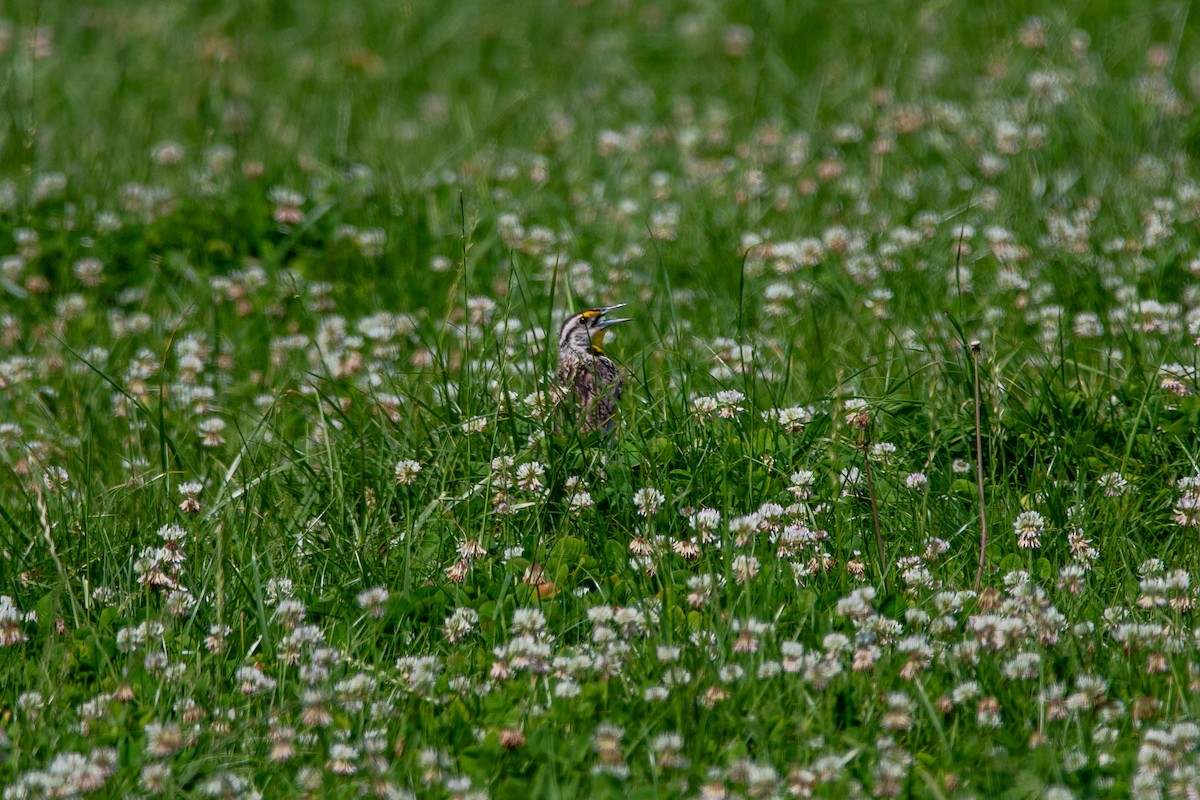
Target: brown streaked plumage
(585, 370)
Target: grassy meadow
(287, 508)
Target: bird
(586, 371)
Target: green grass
(276, 250)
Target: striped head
(584, 332)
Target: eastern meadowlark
(583, 367)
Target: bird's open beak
(603, 323)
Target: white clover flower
(89, 271)
(341, 759)
(729, 403)
(704, 406)
(475, 425)
(705, 520)
(252, 680)
(529, 476)
(540, 404)
(731, 673)
(649, 501)
(745, 568)
(460, 624)
(191, 492)
(795, 418)
(56, 478)
(1113, 484)
(528, 620)
(802, 484)
(858, 412)
(211, 431)
(883, 451)
(1187, 510)
(579, 502)
(373, 601)
(917, 481)
(407, 471)
(1029, 527)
